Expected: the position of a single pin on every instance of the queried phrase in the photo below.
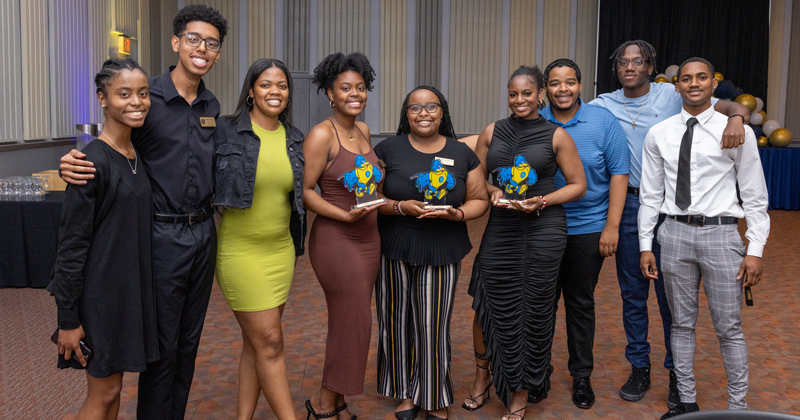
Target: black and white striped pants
(414, 305)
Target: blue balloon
(757, 130)
(724, 90)
(736, 92)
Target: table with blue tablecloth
(782, 173)
(29, 240)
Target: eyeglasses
(193, 40)
(637, 62)
(431, 107)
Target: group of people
(563, 184)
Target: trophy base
(368, 203)
(437, 207)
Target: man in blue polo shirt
(638, 106)
(593, 221)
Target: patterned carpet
(32, 388)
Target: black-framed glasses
(431, 107)
(194, 40)
(637, 62)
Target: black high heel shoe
(333, 413)
(485, 393)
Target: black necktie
(683, 188)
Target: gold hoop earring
(250, 100)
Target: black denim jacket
(237, 149)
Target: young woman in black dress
(515, 273)
(102, 281)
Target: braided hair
(647, 50)
(445, 128)
(111, 68)
(337, 63)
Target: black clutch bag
(73, 361)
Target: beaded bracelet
(394, 207)
(544, 202)
(462, 215)
(737, 115)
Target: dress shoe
(674, 397)
(638, 382)
(430, 416)
(409, 414)
(681, 408)
(582, 394)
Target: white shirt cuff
(645, 245)
(755, 249)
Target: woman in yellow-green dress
(259, 174)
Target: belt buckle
(702, 221)
(194, 218)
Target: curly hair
(534, 74)
(335, 64)
(445, 128)
(647, 50)
(199, 13)
(111, 68)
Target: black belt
(633, 190)
(703, 220)
(190, 218)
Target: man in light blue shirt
(638, 106)
(593, 221)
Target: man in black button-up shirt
(176, 146)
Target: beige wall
(485, 41)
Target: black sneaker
(674, 397)
(637, 384)
(681, 408)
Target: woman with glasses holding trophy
(433, 185)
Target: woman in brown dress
(344, 246)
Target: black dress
(103, 278)
(515, 272)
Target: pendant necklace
(347, 133)
(135, 160)
(633, 120)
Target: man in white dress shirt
(688, 177)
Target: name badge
(445, 161)
(208, 122)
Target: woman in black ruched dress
(515, 272)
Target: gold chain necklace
(135, 161)
(633, 120)
(349, 136)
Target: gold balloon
(719, 77)
(747, 100)
(762, 141)
(661, 80)
(675, 79)
(763, 114)
(781, 137)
